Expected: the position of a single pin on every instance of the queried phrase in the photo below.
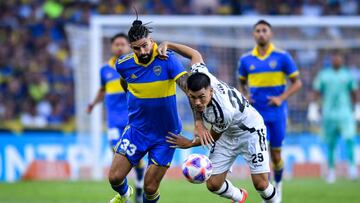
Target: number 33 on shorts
(127, 147)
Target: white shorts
(252, 146)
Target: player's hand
(275, 101)
(200, 132)
(162, 50)
(178, 141)
(89, 108)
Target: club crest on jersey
(273, 64)
(157, 70)
(252, 67)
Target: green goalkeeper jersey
(335, 87)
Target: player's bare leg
(266, 190)
(120, 167)
(278, 166)
(219, 185)
(153, 176)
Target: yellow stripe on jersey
(179, 75)
(267, 79)
(152, 90)
(113, 87)
(294, 74)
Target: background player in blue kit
(115, 102)
(151, 84)
(265, 70)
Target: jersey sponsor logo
(157, 70)
(273, 64)
(133, 76)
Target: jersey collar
(153, 56)
(256, 53)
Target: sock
(278, 171)
(331, 156)
(139, 170)
(229, 191)
(269, 194)
(151, 198)
(122, 188)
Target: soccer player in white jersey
(235, 125)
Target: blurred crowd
(36, 72)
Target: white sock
(269, 194)
(229, 191)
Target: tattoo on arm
(181, 81)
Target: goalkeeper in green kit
(337, 88)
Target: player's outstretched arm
(99, 98)
(179, 141)
(183, 50)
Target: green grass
(308, 191)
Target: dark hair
(121, 35)
(263, 22)
(197, 81)
(138, 31)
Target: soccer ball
(197, 168)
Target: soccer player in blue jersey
(115, 102)
(263, 73)
(151, 84)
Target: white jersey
(242, 128)
(229, 110)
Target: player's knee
(213, 186)
(150, 189)
(261, 185)
(115, 178)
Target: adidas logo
(133, 76)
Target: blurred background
(45, 59)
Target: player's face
(143, 49)
(120, 46)
(200, 99)
(262, 34)
(337, 61)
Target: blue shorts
(276, 131)
(135, 144)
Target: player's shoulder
(246, 55)
(281, 52)
(126, 58)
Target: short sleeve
(175, 68)
(102, 77)
(242, 69)
(289, 66)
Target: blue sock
(151, 198)
(121, 188)
(139, 169)
(278, 171)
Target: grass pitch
(176, 191)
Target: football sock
(139, 170)
(278, 171)
(229, 191)
(350, 147)
(122, 188)
(269, 194)
(151, 198)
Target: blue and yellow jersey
(115, 97)
(151, 97)
(266, 77)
